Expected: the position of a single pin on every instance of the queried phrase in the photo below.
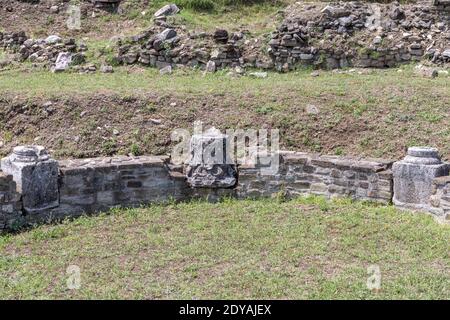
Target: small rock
(115, 132)
(165, 70)
(221, 35)
(312, 109)
(54, 9)
(106, 69)
(53, 39)
(446, 53)
(210, 67)
(239, 70)
(397, 14)
(315, 74)
(167, 10)
(377, 40)
(62, 62)
(155, 121)
(166, 34)
(259, 75)
(47, 104)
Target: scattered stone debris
(346, 34)
(88, 68)
(160, 46)
(332, 36)
(44, 51)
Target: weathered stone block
(36, 176)
(414, 175)
(208, 166)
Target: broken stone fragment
(54, 9)
(221, 36)
(312, 109)
(166, 34)
(335, 12)
(259, 75)
(167, 10)
(397, 14)
(210, 67)
(53, 39)
(165, 70)
(106, 68)
(62, 62)
(446, 53)
(377, 40)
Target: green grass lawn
(306, 248)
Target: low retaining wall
(302, 173)
(92, 185)
(88, 186)
(10, 203)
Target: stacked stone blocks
(302, 173)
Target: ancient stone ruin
(36, 189)
(337, 35)
(325, 35)
(360, 35)
(36, 176)
(208, 167)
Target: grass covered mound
(308, 248)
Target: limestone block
(208, 167)
(36, 176)
(414, 175)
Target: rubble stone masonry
(87, 186)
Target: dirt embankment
(96, 124)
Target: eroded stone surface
(36, 176)
(208, 167)
(414, 175)
(167, 10)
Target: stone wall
(344, 34)
(324, 35)
(10, 203)
(330, 176)
(440, 198)
(87, 186)
(92, 185)
(442, 5)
